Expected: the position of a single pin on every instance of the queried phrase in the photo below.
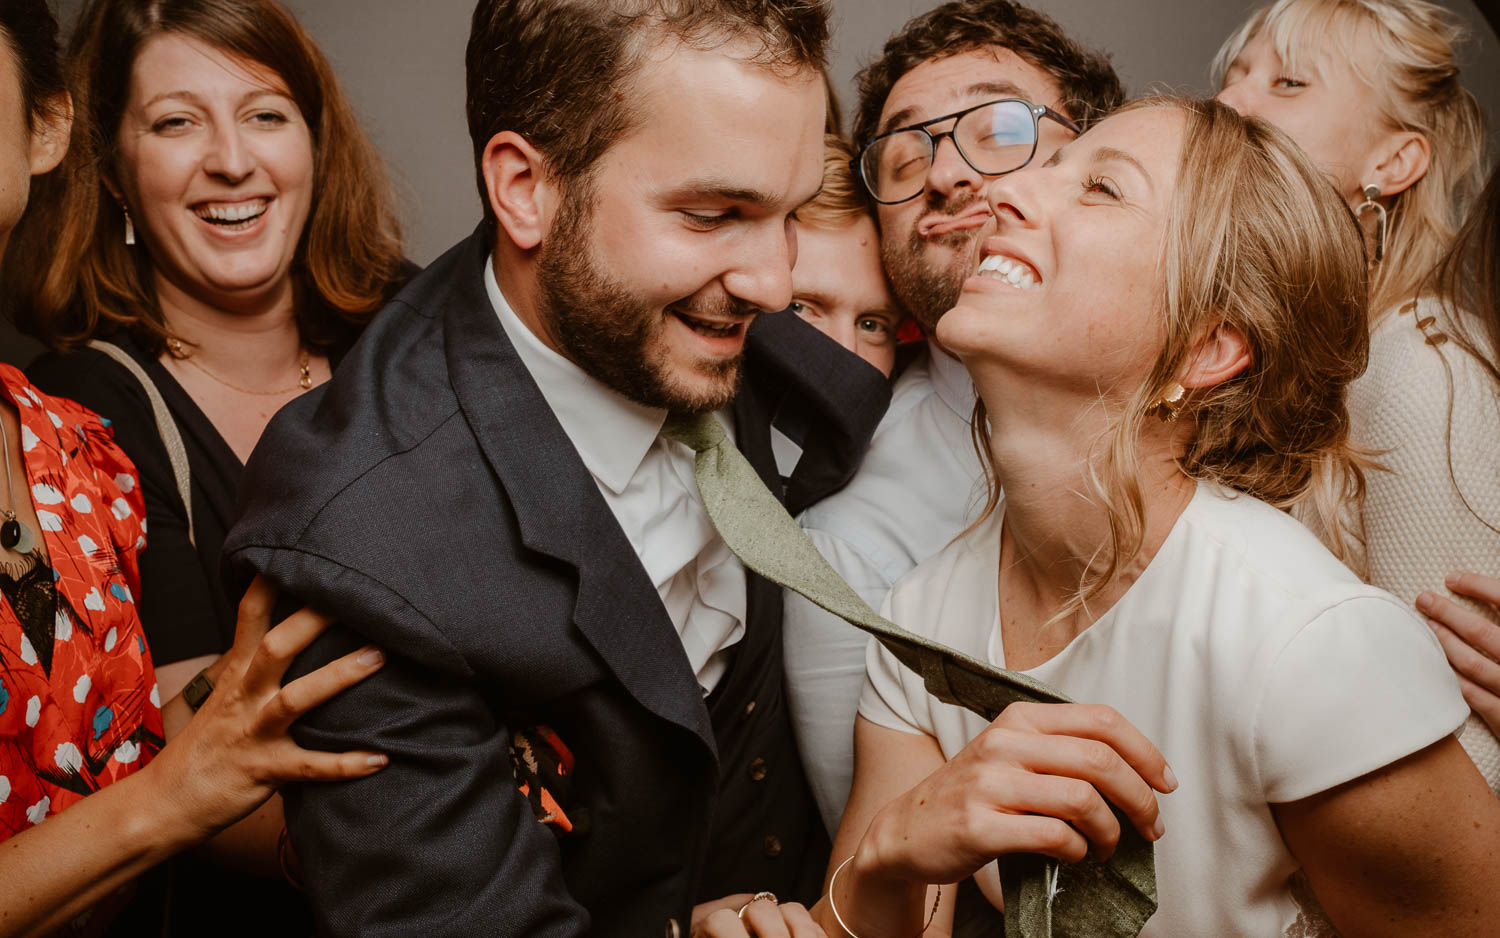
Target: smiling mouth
(1016, 273)
(712, 330)
(233, 216)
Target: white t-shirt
(1261, 667)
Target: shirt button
(773, 845)
(673, 930)
(757, 769)
(749, 708)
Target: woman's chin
(969, 326)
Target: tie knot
(698, 431)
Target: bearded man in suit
(582, 701)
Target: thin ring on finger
(769, 896)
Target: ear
(1404, 158)
(49, 134)
(1218, 355)
(515, 181)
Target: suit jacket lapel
(560, 510)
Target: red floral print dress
(79, 708)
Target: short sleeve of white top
(1261, 667)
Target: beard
(616, 336)
(927, 289)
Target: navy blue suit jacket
(429, 500)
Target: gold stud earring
(1169, 404)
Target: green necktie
(1042, 897)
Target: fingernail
(1427, 600)
(370, 657)
(377, 761)
(1170, 778)
(1452, 579)
(1158, 829)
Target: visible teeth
(238, 211)
(1011, 271)
(708, 328)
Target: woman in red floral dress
(78, 702)
(81, 720)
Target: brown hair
(842, 200)
(1256, 239)
(1416, 78)
(30, 32)
(68, 272)
(1090, 87)
(557, 72)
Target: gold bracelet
(833, 906)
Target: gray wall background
(401, 62)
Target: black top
(183, 605)
(183, 608)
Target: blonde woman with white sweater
(1370, 90)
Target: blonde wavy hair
(842, 200)
(1410, 66)
(1256, 239)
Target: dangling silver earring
(129, 227)
(1372, 192)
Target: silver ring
(755, 898)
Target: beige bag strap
(165, 426)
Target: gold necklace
(304, 371)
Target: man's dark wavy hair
(30, 32)
(558, 72)
(1090, 87)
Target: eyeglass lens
(993, 139)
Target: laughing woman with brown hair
(213, 242)
(90, 797)
(223, 224)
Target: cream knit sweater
(1417, 527)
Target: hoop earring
(129, 227)
(1169, 405)
(1372, 192)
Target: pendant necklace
(14, 535)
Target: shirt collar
(611, 433)
(951, 379)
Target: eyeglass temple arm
(1042, 110)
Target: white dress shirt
(648, 483)
(920, 485)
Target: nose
(1012, 199)
(1236, 96)
(230, 156)
(950, 174)
(761, 277)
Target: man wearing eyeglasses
(967, 92)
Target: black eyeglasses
(994, 138)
